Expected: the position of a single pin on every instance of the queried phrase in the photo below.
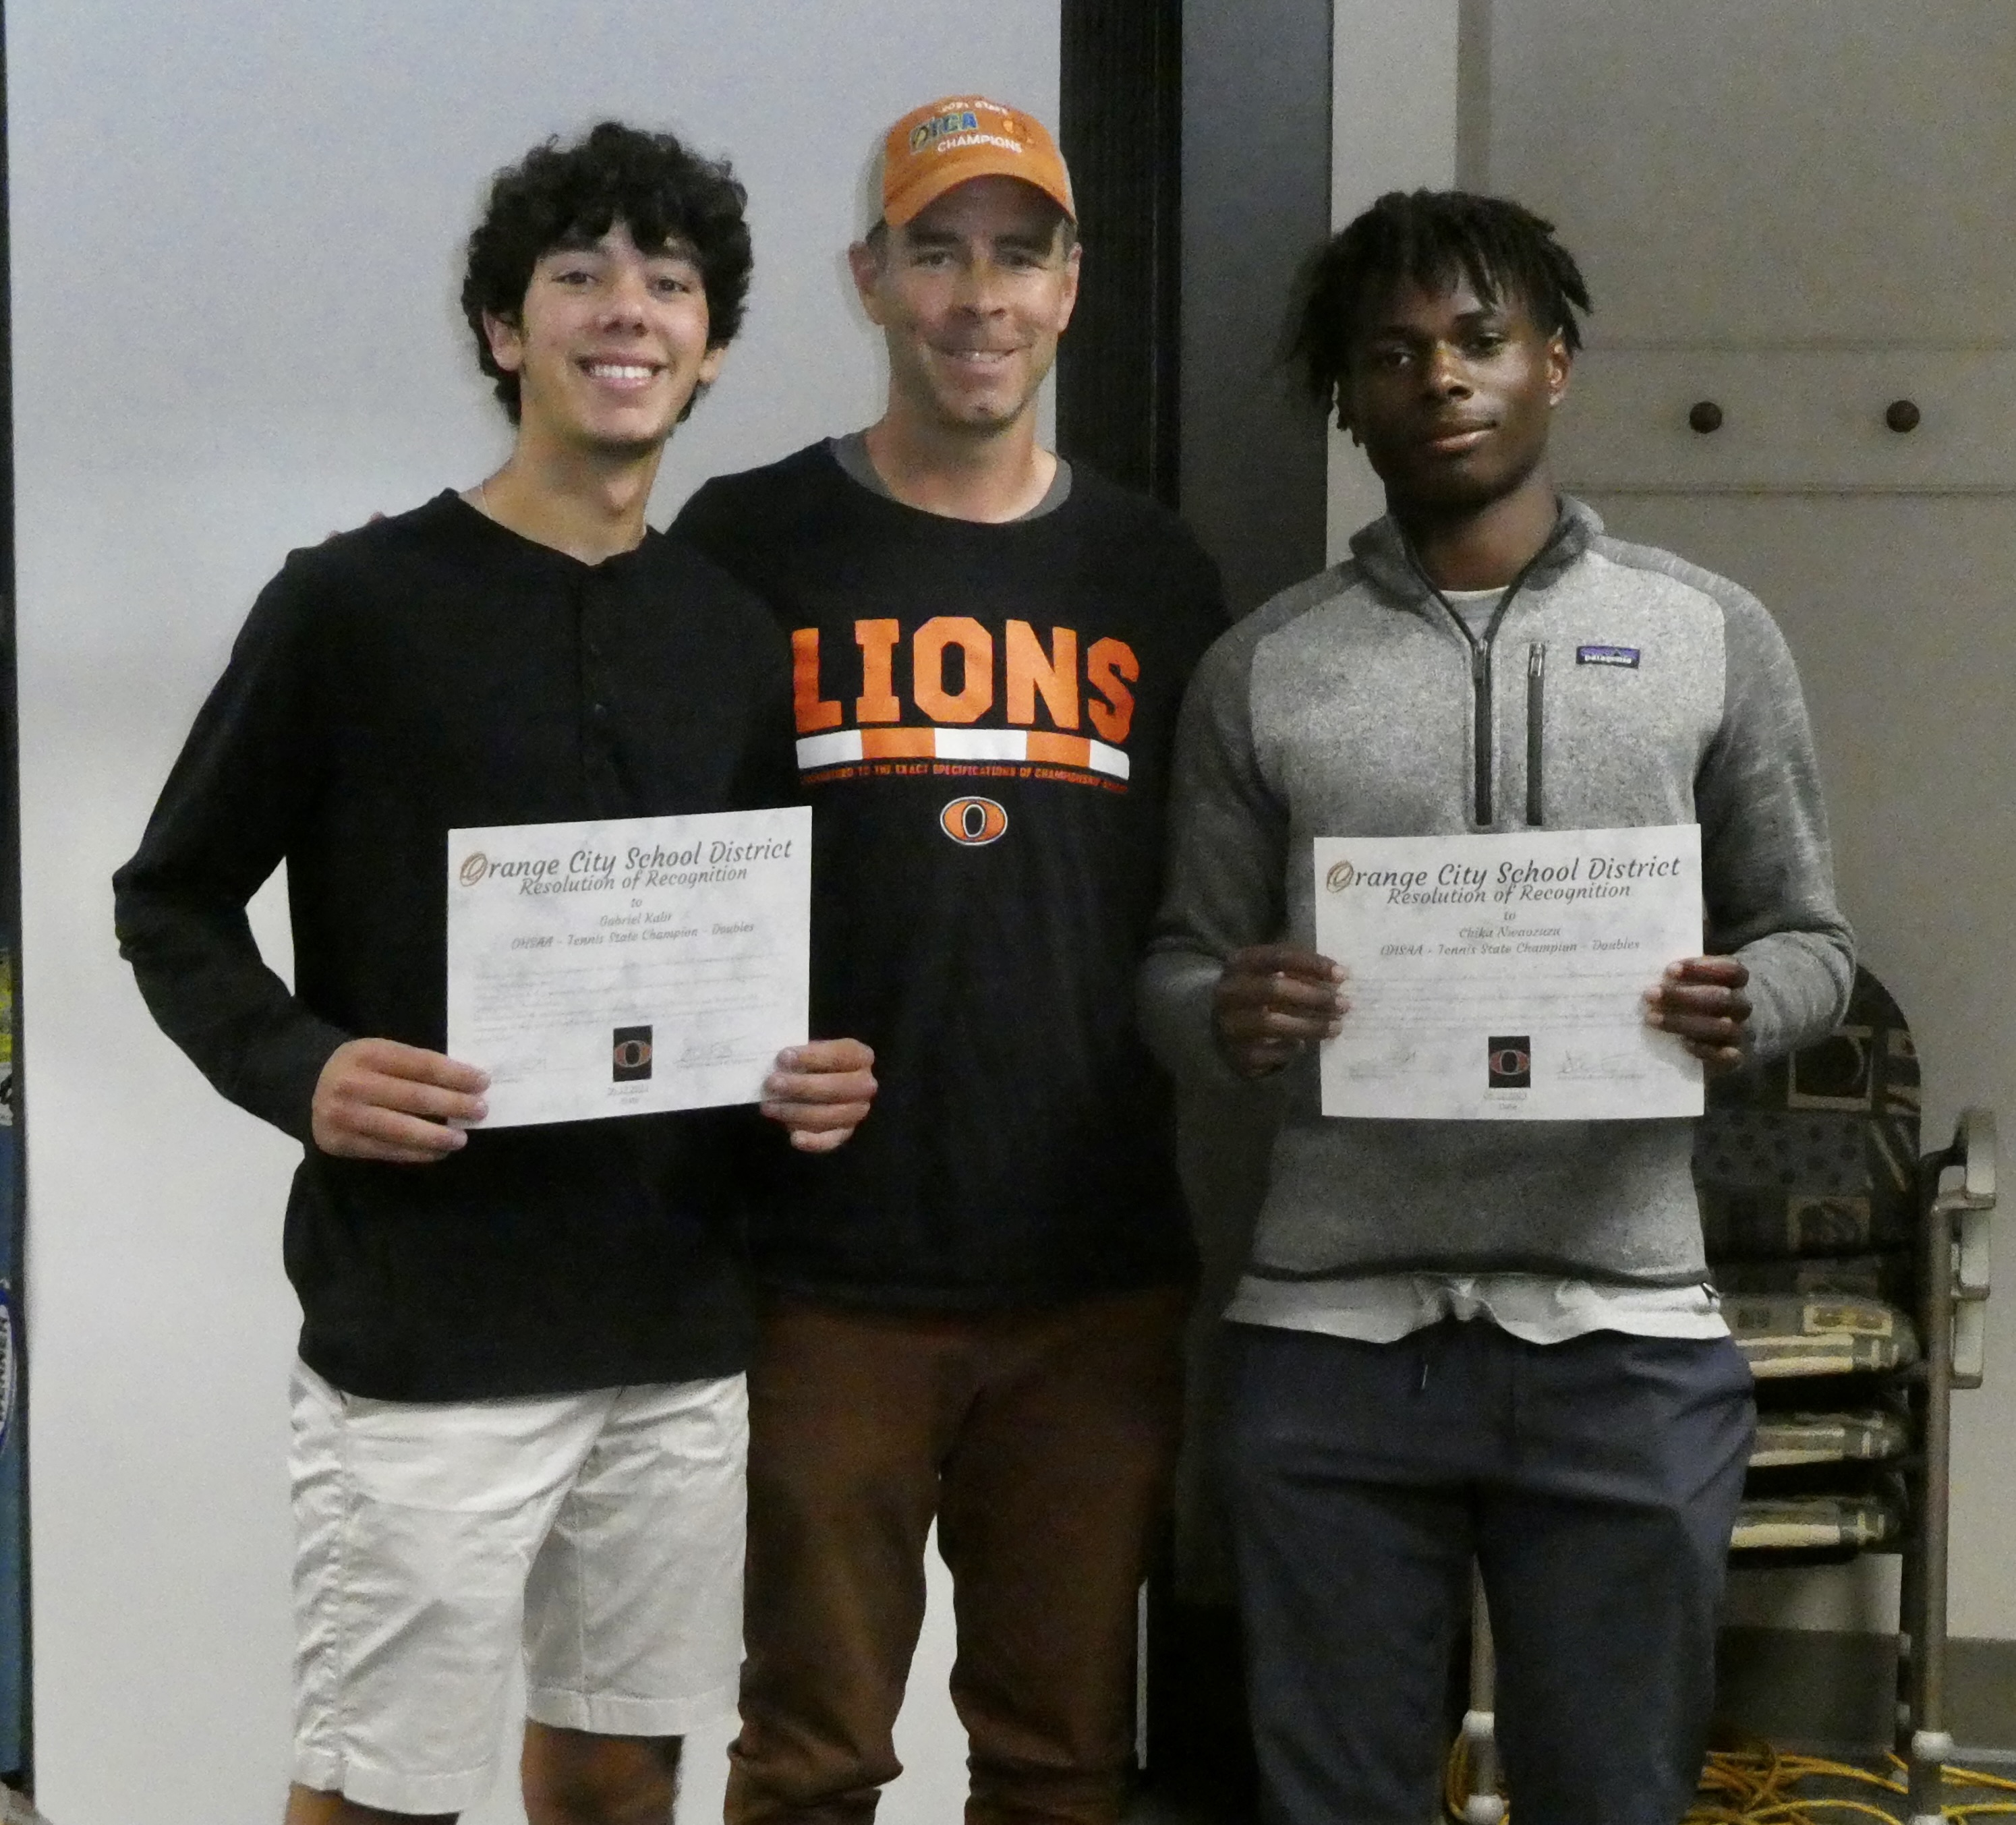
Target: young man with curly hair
(519, 1415)
(1472, 1340)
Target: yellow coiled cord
(1760, 1787)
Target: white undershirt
(1381, 1308)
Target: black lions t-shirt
(984, 714)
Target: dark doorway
(1120, 124)
(1198, 135)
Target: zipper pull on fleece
(1536, 700)
(1482, 732)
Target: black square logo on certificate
(1509, 1062)
(630, 1055)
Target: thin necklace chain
(489, 513)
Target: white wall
(1395, 91)
(236, 229)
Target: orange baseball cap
(936, 147)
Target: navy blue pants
(1594, 1483)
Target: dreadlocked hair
(1431, 238)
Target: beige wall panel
(1802, 211)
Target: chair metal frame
(1959, 1183)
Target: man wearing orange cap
(975, 1318)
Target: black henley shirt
(427, 672)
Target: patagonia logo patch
(1623, 656)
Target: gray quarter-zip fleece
(1616, 686)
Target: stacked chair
(1854, 1271)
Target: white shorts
(599, 1534)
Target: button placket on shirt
(599, 743)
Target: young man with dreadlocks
(518, 1414)
(1487, 1341)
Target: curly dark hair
(570, 196)
(1430, 237)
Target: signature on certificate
(1402, 1061)
(695, 1051)
(1588, 1067)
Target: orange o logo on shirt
(973, 822)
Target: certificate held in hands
(1501, 978)
(630, 965)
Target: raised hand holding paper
(1500, 977)
(629, 965)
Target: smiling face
(971, 295)
(609, 346)
(1451, 395)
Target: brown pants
(1042, 1441)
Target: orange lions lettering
(975, 696)
(1107, 663)
(952, 674)
(812, 713)
(877, 641)
(1054, 673)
